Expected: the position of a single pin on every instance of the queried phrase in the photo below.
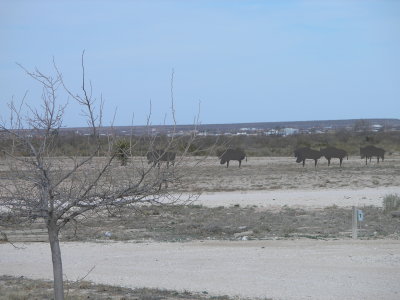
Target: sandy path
(299, 198)
(304, 269)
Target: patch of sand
(302, 269)
(307, 199)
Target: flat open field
(278, 181)
(305, 269)
(283, 173)
(264, 173)
(293, 224)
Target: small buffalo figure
(304, 153)
(332, 152)
(370, 151)
(158, 156)
(232, 154)
(299, 150)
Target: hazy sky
(245, 61)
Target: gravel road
(281, 269)
(304, 198)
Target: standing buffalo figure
(370, 151)
(299, 150)
(306, 153)
(232, 154)
(158, 156)
(332, 152)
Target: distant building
(377, 127)
(271, 132)
(289, 131)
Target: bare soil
(283, 173)
(285, 232)
(285, 269)
(200, 174)
(299, 198)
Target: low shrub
(391, 203)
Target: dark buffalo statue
(158, 156)
(370, 151)
(232, 154)
(332, 152)
(299, 150)
(306, 153)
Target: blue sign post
(360, 215)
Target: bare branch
(57, 190)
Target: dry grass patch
(21, 288)
(185, 223)
(195, 222)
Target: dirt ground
(302, 269)
(274, 182)
(265, 173)
(299, 198)
(283, 173)
(280, 269)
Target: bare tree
(40, 186)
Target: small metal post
(354, 223)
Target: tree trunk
(57, 262)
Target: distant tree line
(74, 144)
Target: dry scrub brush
(38, 187)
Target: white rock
(242, 234)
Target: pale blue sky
(246, 61)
